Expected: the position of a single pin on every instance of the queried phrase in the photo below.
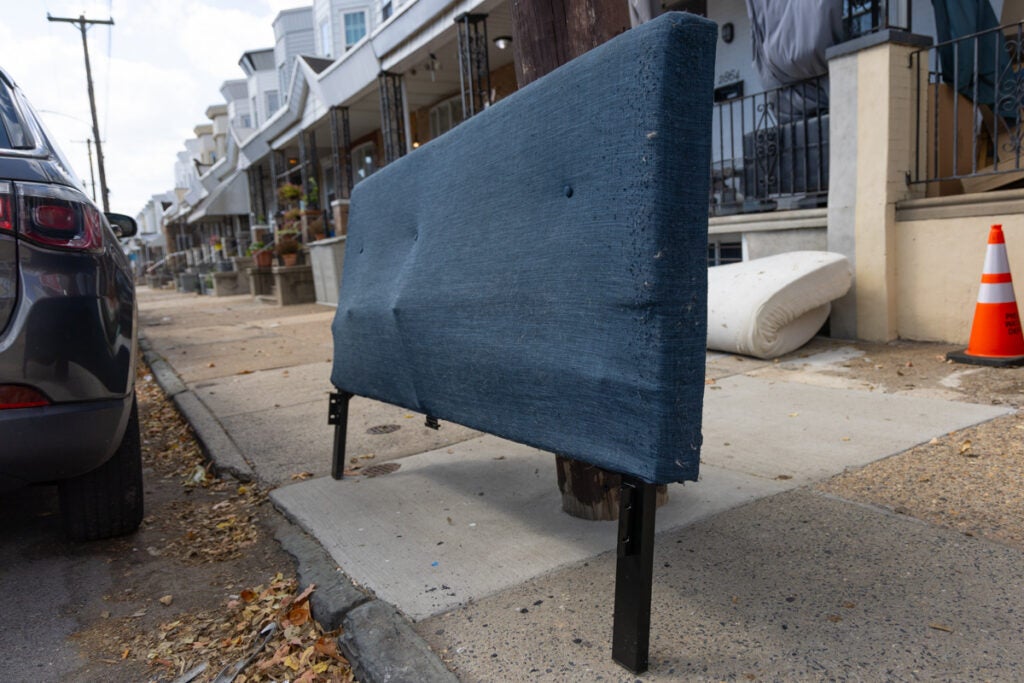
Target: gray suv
(67, 335)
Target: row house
(885, 130)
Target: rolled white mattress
(771, 306)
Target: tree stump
(546, 34)
(590, 492)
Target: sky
(155, 72)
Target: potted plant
(287, 247)
(315, 224)
(289, 193)
(261, 256)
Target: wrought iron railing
(866, 16)
(970, 112)
(770, 150)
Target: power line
(83, 25)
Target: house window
(325, 38)
(246, 121)
(445, 116)
(255, 114)
(364, 160)
(385, 11)
(272, 102)
(721, 252)
(355, 27)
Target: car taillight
(6, 220)
(18, 396)
(56, 216)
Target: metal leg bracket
(634, 570)
(337, 415)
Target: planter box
(261, 281)
(327, 257)
(188, 282)
(293, 285)
(230, 283)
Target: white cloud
(155, 72)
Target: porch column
(340, 152)
(474, 67)
(394, 118)
(871, 153)
(273, 188)
(254, 206)
(303, 160)
(263, 217)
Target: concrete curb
(379, 642)
(335, 594)
(164, 374)
(216, 443)
(382, 646)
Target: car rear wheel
(107, 501)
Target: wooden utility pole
(92, 174)
(83, 25)
(547, 34)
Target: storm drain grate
(383, 429)
(381, 469)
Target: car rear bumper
(59, 441)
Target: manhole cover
(381, 469)
(383, 429)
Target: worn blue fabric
(540, 271)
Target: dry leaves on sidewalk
(299, 649)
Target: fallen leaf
(248, 595)
(304, 595)
(299, 615)
(166, 600)
(124, 655)
(964, 447)
(211, 365)
(328, 647)
(244, 372)
(302, 476)
(794, 414)
(835, 618)
(940, 627)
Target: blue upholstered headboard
(540, 271)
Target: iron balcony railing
(970, 95)
(770, 150)
(866, 16)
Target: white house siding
(260, 83)
(333, 12)
(294, 34)
(236, 94)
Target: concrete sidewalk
(756, 573)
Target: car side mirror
(124, 226)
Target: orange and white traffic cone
(996, 337)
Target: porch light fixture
(502, 42)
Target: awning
(230, 198)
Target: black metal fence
(970, 93)
(865, 16)
(770, 150)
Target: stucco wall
(938, 269)
(760, 244)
